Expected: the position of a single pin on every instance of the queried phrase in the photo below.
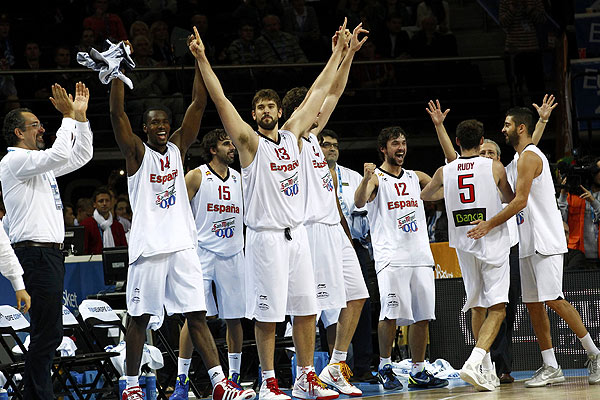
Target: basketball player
(164, 270)
(501, 350)
(403, 259)
(483, 263)
(279, 275)
(542, 244)
(338, 277)
(215, 193)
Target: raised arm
(130, 144)
(544, 112)
(437, 117)
(193, 180)
(341, 78)
(239, 131)
(367, 189)
(187, 134)
(303, 118)
(434, 190)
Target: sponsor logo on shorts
(263, 306)
(392, 303)
(465, 217)
(321, 286)
(136, 295)
(262, 297)
(322, 295)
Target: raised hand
(435, 112)
(341, 42)
(546, 108)
(369, 170)
(62, 101)
(80, 104)
(196, 46)
(356, 44)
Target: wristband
(545, 121)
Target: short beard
(267, 126)
(225, 160)
(40, 145)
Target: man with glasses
(35, 218)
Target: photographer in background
(580, 209)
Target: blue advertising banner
(585, 78)
(587, 31)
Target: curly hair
(387, 134)
(14, 119)
(469, 132)
(292, 100)
(266, 94)
(210, 141)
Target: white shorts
(485, 284)
(171, 281)
(279, 275)
(407, 294)
(329, 317)
(228, 275)
(541, 278)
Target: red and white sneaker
(227, 390)
(309, 386)
(337, 376)
(269, 390)
(133, 393)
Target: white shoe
(228, 390)
(337, 376)
(545, 375)
(471, 373)
(492, 377)
(269, 390)
(308, 386)
(593, 365)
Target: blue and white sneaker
(182, 387)
(236, 378)
(388, 378)
(424, 380)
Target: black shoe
(365, 376)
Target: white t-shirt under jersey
(273, 184)
(397, 220)
(320, 196)
(218, 212)
(540, 226)
(470, 193)
(162, 217)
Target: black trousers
(44, 272)
(501, 350)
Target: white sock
(216, 374)
(183, 366)
(588, 345)
(476, 356)
(235, 362)
(268, 374)
(487, 364)
(417, 367)
(132, 381)
(549, 358)
(338, 356)
(384, 361)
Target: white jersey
(397, 220)
(273, 184)
(218, 212)
(320, 196)
(470, 193)
(511, 176)
(162, 217)
(540, 226)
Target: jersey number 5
(469, 196)
(224, 193)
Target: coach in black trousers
(35, 221)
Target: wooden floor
(575, 388)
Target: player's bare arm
(544, 111)
(303, 118)
(528, 167)
(341, 77)
(434, 109)
(131, 145)
(187, 134)
(242, 134)
(193, 180)
(506, 192)
(367, 189)
(434, 190)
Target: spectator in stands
(393, 42)
(371, 76)
(200, 21)
(277, 47)
(428, 42)
(581, 211)
(434, 8)
(101, 230)
(32, 86)
(86, 41)
(437, 222)
(105, 25)
(301, 21)
(162, 51)
(123, 213)
(521, 20)
(62, 60)
(243, 49)
(85, 209)
(8, 89)
(139, 28)
(68, 215)
(398, 7)
(6, 45)
(350, 9)
(373, 16)
(254, 11)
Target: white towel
(109, 62)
